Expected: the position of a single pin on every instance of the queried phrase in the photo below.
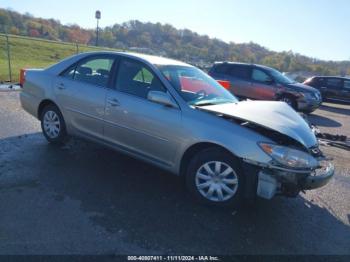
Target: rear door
(81, 91)
(334, 88)
(239, 77)
(263, 86)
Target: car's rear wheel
(53, 125)
(215, 177)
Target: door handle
(113, 102)
(61, 86)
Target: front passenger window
(135, 79)
(144, 76)
(260, 76)
(347, 85)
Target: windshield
(196, 87)
(280, 78)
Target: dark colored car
(331, 88)
(265, 83)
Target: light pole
(98, 17)
(8, 54)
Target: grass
(26, 52)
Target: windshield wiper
(211, 103)
(205, 104)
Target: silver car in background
(175, 116)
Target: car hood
(302, 88)
(277, 116)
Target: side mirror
(161, 98)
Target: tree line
(164, 39)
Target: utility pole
(98, 17)
(8, 56)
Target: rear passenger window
(221, 69)
(135, 79)
(334, 83)
(240, 71)
(94, 71)
(69, 72)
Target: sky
(316, 28)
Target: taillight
(224, 83)
(22, 77)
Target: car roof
(148, 59)
(155, 60)
(243, 64)
(339, 77)
(231, 63)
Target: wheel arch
(287, 94)
(43, 104)
(195, 148)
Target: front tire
(289, 101)
(215, 177)
(53, 125)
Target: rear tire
(215, 177)
(53, 125)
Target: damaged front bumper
(275, 180)
(319, 178)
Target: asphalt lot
(85, 199)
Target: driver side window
(136, 79)
(260, 76)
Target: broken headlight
(289, 157)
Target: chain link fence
(18, 52)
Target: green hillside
(153, 38)
(28, 52)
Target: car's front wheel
(215, 177)
(53, 125)
(289, 101)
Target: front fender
(242, 142)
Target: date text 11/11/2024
(173, 258)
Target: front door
(345, 93)
(136, 124)
(263, 85)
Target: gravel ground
(85, 199)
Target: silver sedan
(175, 116)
